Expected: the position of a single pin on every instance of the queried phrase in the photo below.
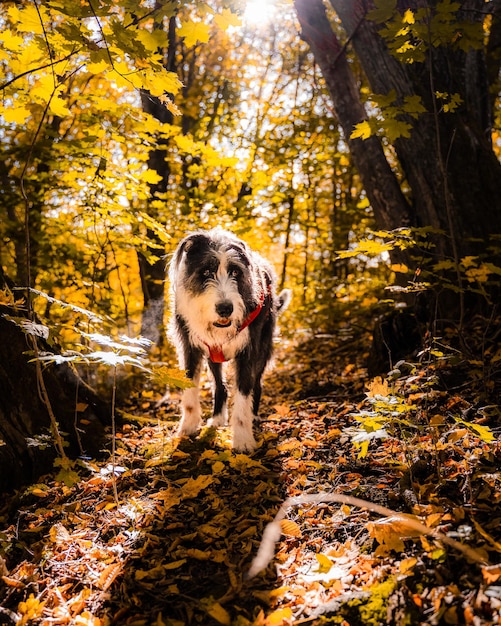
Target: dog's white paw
(243, 442)
(221, 419)
(185, 430)
(191, 412)
(241, 423)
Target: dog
(224, 307)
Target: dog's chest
(219, 352)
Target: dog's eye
(235, 272)
(208, 273)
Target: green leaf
(384, 11)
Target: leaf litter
(167, 530)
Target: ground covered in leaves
(164, 532)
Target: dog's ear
(195, 239)
(284, 298)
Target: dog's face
(213, 284)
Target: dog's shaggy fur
(224, 308)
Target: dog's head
(214, 284)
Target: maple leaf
(29, 19)
(191, 487)
(16, 115)
(389, 531)
(194, 32)
(362, 130)
(227, 18)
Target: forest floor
(164, 532)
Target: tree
(424, 152)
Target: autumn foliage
(373, 496)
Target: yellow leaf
(194, 32)
(407, 565)
(200, 555)
(151, 177)
(243, 462)
(226, 19)
(217, 467)
(154, 40)
(58, 106)
(282, 409)
(279, 617)
(377, 387)
(28, 19)
(220, 614)
(362, 130)
(98, 67)
(324, 563)
(159, 83)
(16, 115)
(491, 573)
(109, 575)
(290, 528)
(408, 17)
(479, 274)
(400, 268)
(286, 446)
(11, 41)
(30, 609)
(193, 486)
(389, 531)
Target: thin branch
(273, 530)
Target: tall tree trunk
(448, 161)
(390, 206)
(153, 274)
(452, 173)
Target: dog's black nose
(224, 309)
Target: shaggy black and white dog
(224, 308)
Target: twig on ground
(273, 530)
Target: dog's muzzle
(224, 309)
(222, 322)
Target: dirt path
(166, 532)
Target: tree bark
(448, 161)
(454, 176)
(390, 206)
(153, 274)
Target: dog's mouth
(222, 322)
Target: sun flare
(259, 12)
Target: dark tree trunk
(153, 274)
(27, 443)
(391, 209)
(453, 173)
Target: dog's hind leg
(191, 411)
(220, 415)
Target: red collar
(216, 354)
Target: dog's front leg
(191, 411)
(242, 415)
(220, 414)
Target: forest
(356, 146)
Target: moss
(374, 611)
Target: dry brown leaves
(174, 547)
